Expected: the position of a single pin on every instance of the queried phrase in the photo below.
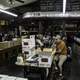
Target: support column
(64, 6)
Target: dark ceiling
(47, 5)
(26, 8)
(44, 5)
(73, 5)
(20, 10)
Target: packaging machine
(36, 58)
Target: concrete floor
(75, 68)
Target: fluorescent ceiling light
(7, 12)
(64, 6)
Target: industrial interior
(39, 39)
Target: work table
(9, 49)
(43, 68)
(8, 44)
(49, 52)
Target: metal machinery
(37, 58)
(42, 57)
(28, 44)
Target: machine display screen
(25, 43)
(44, 60)
(26, 52)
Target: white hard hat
(58, 37)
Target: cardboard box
(45, 59)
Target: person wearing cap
(61, 52)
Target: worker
(61, 53)
(0, 37)
(39, 41)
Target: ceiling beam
(52, 14)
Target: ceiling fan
(12, 1)
(21, 1)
